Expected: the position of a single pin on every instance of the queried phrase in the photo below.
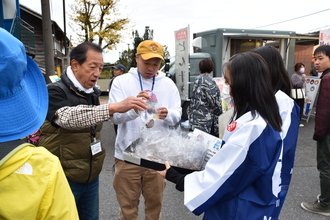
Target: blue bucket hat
(23, 91)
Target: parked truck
(219, 45)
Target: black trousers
(300, 103)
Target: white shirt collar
(75, 82)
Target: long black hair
(279, 75)
(251, 88)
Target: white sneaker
(301, 125)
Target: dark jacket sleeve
(176, 178)
(57, 100)
(322, 118)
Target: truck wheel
(185, 110)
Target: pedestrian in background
(205, 103)
(72, 127)
(32, 181)
(322, 133)
(149, 83)
(119, 69)
(298, 83)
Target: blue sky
(164, 17)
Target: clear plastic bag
(178, 148)
(148, 116)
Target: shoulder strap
(7, 147)
(62, 86)
(111, 84)
(66, 90)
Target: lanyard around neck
(153, 82)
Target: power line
(319, 28)
(294, 18)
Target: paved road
(304, 185)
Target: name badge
(96, 147)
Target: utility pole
(66, 58)
(64, 21)
(48, 40)
(146, 33)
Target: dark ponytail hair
(279, 75)
(252, 89)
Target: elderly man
(73, 124)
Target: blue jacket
(246, 178)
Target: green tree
(125, 59)
(166, 52)
(106, 74)
(148, 35)
(136, 41)
(98, 21)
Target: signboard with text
(182, 45)
(325, 37)
(312, 87)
